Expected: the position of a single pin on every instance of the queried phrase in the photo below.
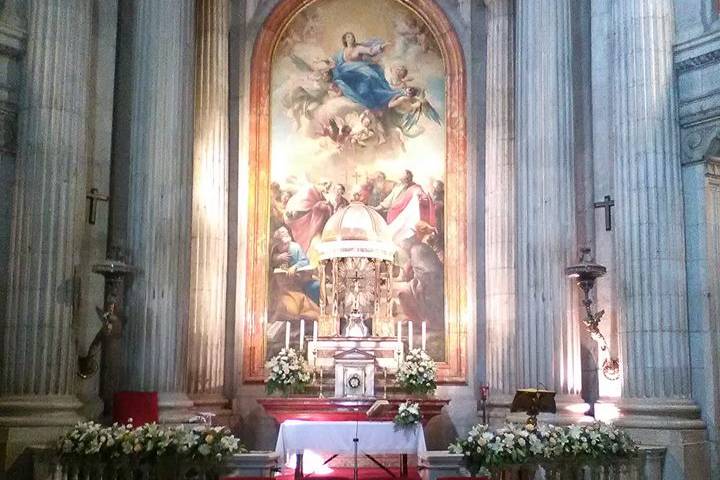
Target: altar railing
(433, 465)
(438, 465)
(253, 464)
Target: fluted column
(38, 361)
(159, 199)
(548, 350)
(206, 343)
(649, 240)
(500, 203)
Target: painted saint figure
(307, 211)
(400, 198)
(420, 292)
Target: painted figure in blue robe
(290, 256)
(359, 78)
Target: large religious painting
(358, 97)
(357, 112)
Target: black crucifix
(607, 204)
(357, 177)
(94, 197)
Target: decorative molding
(457, 316)
(686, 51)
(695, 141)
(698, 62)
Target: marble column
(206, 342)
(649, 238)
(547, 332)
(38, 363)
(500, 234)
(159, 201)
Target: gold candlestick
(385, 382)
(321, 384)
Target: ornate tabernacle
(356, 328)
(356, 260)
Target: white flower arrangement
(288, 372)
(418, 372)
(485, 450)
(90, 442)
(408, 415)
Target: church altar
(341, 409)
(296, 436)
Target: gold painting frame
(454, 369)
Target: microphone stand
(356, 441)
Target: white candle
(399, 331)
(424, 335)
(302, 334)
(410, 335)
(287, 334)
(315, 326)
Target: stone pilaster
(206, 343)
(547, 332)
(38, 344)
(159, 201)
(649, 240)
(38, 363)
(500, 233)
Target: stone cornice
(698, 62)
(697, 53)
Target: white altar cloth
(295, 436)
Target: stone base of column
(32, 420)
(216, 404)
(671, 423)
(570, 409)
(175, 408)
(498, 409)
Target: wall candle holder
(586, 272)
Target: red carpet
(347, 474)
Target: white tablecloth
(295, 436)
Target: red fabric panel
(141, 407)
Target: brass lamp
(586, 272)
(533, 401)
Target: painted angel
(409, 108)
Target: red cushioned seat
(141, 407)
